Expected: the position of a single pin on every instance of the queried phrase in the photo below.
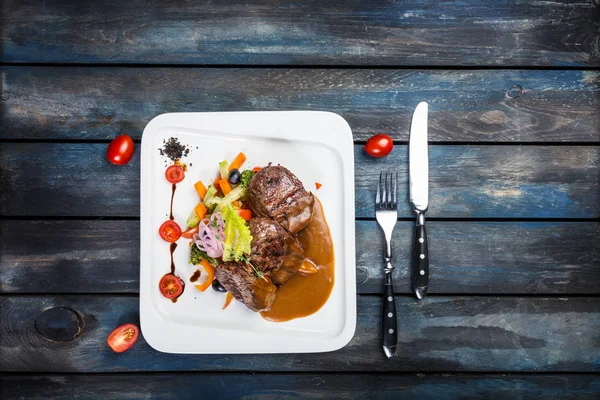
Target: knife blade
(419, 196)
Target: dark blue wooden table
(514, 94)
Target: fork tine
(378, 197)
(396, 191)
(383, 190)
(387, 190)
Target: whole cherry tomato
(175, 173)
(123, 337)
(379, 145)
(120, 150)
(169, 231)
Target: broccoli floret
(247, 176)
(197, 255)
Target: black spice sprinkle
(173, 149)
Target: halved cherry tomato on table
(175, 173)
(171, 286)
(123, 337)
(379, 145)
(189, 234)
(120, 150)
(169, 231)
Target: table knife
(419, 197)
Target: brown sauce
(306, 293)
(195, 276)
(173, 247)
(172, 197)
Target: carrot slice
(200, 210)
(210, 270)
(238, 162)
(318, 185)
(245, 214)
(256, 169)
(216, 183)
(189, 234)
(228, 300)
(225, 186)
(200, 189)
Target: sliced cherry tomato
(170, 286)
(123, 337)
(169, 231)
(379, 145)
(175, 173)
(120, 150)
(189, 234)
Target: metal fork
(386, 212)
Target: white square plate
(317, 147)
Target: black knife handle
(420, 257)
(388, 322)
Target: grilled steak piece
(276, 193)
(274, 251)
(258, 294)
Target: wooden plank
(466, 257)
(465, 106)
(437, 334)
(465, 181)
(378, 32)
(314, 386)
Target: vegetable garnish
(210, 271)
(237, 235)
(200, 189)
(211, 235)
(246, 214)
(200, 210)
(238, 162)
(228, 299)
(189, 234)
(318, 185)
(197, 255)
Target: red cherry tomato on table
(175, 173)
(169, 231)
(123, 337)
(170, 286)
(120, 150)
(379, 145)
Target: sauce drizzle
(195, 276)
(172, 197)
(173, 247)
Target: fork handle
(388, 322)
(420, 257)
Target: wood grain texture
(412, 32)
(306, 386)
(437, 334)
(466, 257)
(465, 181)
(464, 106)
